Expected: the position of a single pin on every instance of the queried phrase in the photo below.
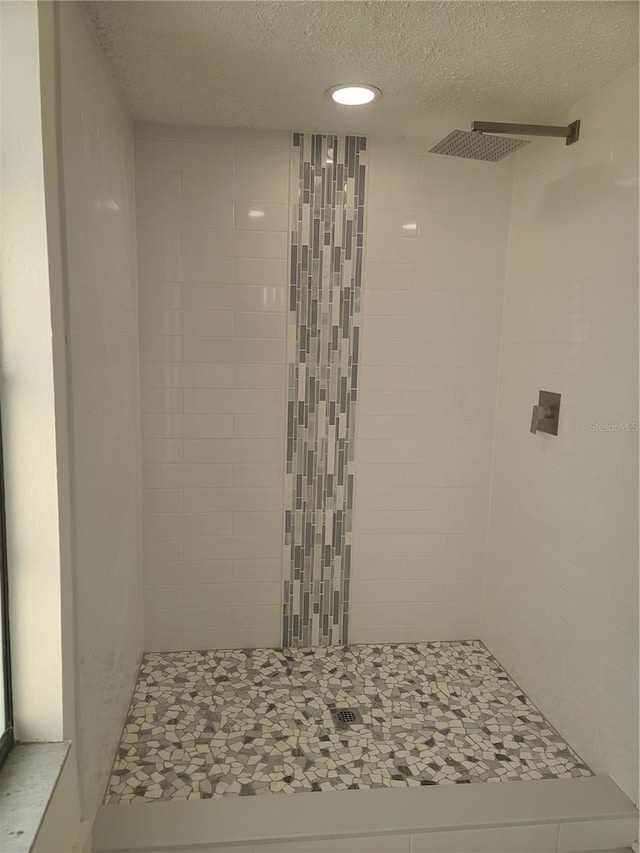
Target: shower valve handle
(539, 414)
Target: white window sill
(27, 780)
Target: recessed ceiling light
(352, 95)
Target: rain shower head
(478, 145)
(474, 145)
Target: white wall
(432, 304)
(74, 558)
(97, 149)
(561, 604)
(27, 388)
(212, 341)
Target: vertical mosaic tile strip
(327, 218)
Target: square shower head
(474, 145)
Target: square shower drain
(345, 717)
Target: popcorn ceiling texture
(440, 64)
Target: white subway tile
(163, 641)
(249, 298)
(157, 321)
(203, 212)
(244, 244)
(206, 619)
(390, 303)
(231, 594)
(212, 135)
(264, 271)
(428, 353)
(376, 568)
(262, 161)
(432, 303)
(439, 198)
(393, 168)
(185, 572)
(160, 348)
(238, 188)
(164, 597)
(239, 400)
(392, 223)
(372, 521)
(158, 238)
(253, 617)
(155, 425)
(206, 548)
(442, 566)
(384, 276)
(248, 571)
(161, 450)
(400, 545)
(261, 216)
(162, 500)
(259, 376)
(159, 295)
(157, 184)
(437, 612)
(229, 499)
(266, 476)
(375, 352)
(174, 268)
(439, 521)
(259, 325)
(261, 450)
(185, 524)
(382, 452)
(163, 549)
(467, 589)
(258, 426)
(373, 615)
(160, 400)
(211, 324)
(257, 523)
(174, 154)
(182, 375)
(178, 476)
(233, 351)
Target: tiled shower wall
(562, 597)
(212, 241)
(97, 148)
(436, 241)
(212, 244)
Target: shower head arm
(571, 133)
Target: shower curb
(548, 816)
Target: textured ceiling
(440, 65)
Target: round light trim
(353, 95)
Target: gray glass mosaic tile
(246, 722)
(327, 221)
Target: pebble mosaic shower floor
(246, 722)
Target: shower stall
(387, 458)
(321, 434)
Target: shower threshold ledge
(216, 741)
(546, 816)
